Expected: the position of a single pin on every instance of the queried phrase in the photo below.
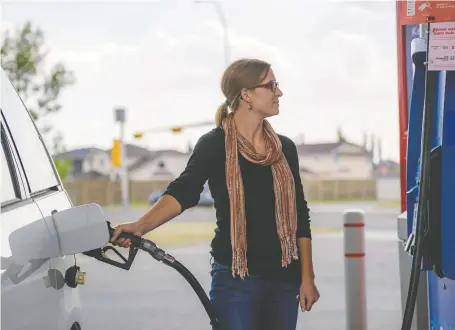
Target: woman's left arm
(308, 291)
(308, 294)
(306, 259)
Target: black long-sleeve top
(207, 162)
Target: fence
(105, 192)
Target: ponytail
(221, 113)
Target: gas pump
(426, 57)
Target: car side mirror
(67, 232)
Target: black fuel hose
(171, 262)
(160, 255)
(423, 199)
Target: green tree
(340, 135)
(23, 57)
(64, 166)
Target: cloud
(242, 44)
(335, 60)
(7, 26)
(164, 78)
(346, 75)
(164, 62)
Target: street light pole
(222, 18)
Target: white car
(34, 294)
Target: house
(305, 173)
(92, 162)
(340, 160)
(387, 174)
(161, 165)
(387, 169)
(134, 154)
(88, 162)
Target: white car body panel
(29, 301)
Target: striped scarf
(283, 186)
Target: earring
(250, 106)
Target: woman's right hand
(165, 209)
(132, 228)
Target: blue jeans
(254, 303)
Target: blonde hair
(243, 73)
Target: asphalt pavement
(323, 215)
(152, 295)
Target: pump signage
(419, 12)
(442, 47)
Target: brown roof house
(340, 160)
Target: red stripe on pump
(354, 225)
(354, 255)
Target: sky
(163, 60)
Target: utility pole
(120, 117)
(223, 20)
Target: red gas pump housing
(413, 12)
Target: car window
(10, 191)
(37, 164)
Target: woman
(262, 266)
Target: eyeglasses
(272, 85)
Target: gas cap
(74, 277)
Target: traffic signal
(177, 129)
(116, 154)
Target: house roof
(313, 148)
(77, 154)
(153, 155)
(306, 170)
(80, 153)
(324, 148)
(136, 151)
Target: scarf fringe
(290, 251)
(239, 263)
